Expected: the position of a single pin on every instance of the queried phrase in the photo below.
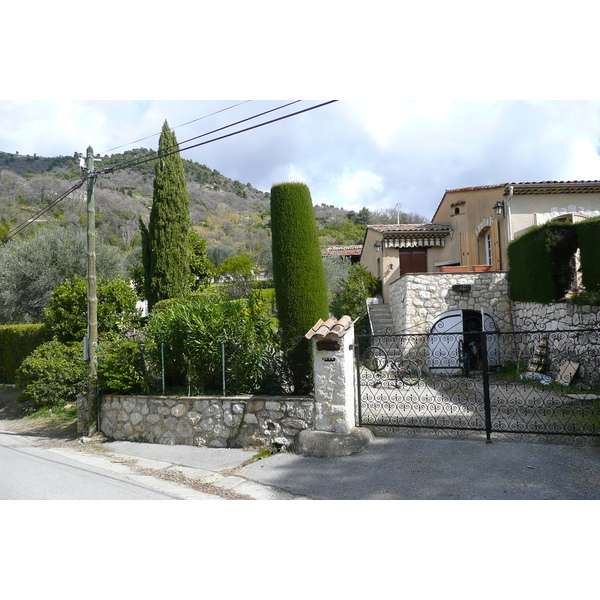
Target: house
(390, 251)
(449, 276)
(473, 226)
(485, 219)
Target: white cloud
(360, 185)
(585, 160)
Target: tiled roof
(584, 183)
(410, 228)
(343, 250)
(333, 326)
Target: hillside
(232, 216)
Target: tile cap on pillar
(331, 327)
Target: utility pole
(92, 302)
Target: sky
(351, 153)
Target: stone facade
(417, 299)
(560, 315)
(217, 422)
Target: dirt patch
(51, 428)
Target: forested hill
(232, 216)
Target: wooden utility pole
(92, 302)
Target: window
(488, 248)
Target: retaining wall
(217, 422)
(418, 298)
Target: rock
(325, 444)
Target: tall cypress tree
(165, 243)
(298, 276)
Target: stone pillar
(335, 432)
(334, 375)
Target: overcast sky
(350, 153)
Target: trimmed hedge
(298, 276)
(540, 263)
(16, 343)
(588, 234)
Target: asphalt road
(29, 472)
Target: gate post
(335, 432)
(487, 409)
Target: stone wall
(217, 422)
(417, 299)
(530, 316)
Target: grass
(68, 412)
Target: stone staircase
(381, 318)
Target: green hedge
(16, 343)
(540, 263)
(588, 234)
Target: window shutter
(468, 249)
(496, 245)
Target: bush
(121, 367)
(298, 276)
(588, 234)
(351, 298)
(193, 332)
(54, 374)
(66, 313)
(540, 261)
(16, 343)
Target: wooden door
(413, 261)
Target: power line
(32, 219)
(112, 169)
(176, 127)
(139, 161)
(40, 212)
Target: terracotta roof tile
(410, 228)
(333, 326)
(343, 250)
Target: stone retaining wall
(530, 316)
(418, 298)
(217, 422)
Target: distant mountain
(232, 216)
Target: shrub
(193, 333)
(51, 376)
(66, 313)
(298, 276)
(351, 298)
(588, 234)
(121, 366)
(16, 343)
(541, 268)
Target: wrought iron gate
(535, 385)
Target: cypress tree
(165, 243)
(298, 276)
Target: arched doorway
(454, 332)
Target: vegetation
(352, 295)
(66, 314)
(53, 375)
(192, 334)
(32, 267)
(165, 243)
(540, 260)
(588, 234)
(42, 270)
(298, 275)
(16, 343)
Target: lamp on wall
(499, 207)
(377, 246)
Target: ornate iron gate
(535, 385)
